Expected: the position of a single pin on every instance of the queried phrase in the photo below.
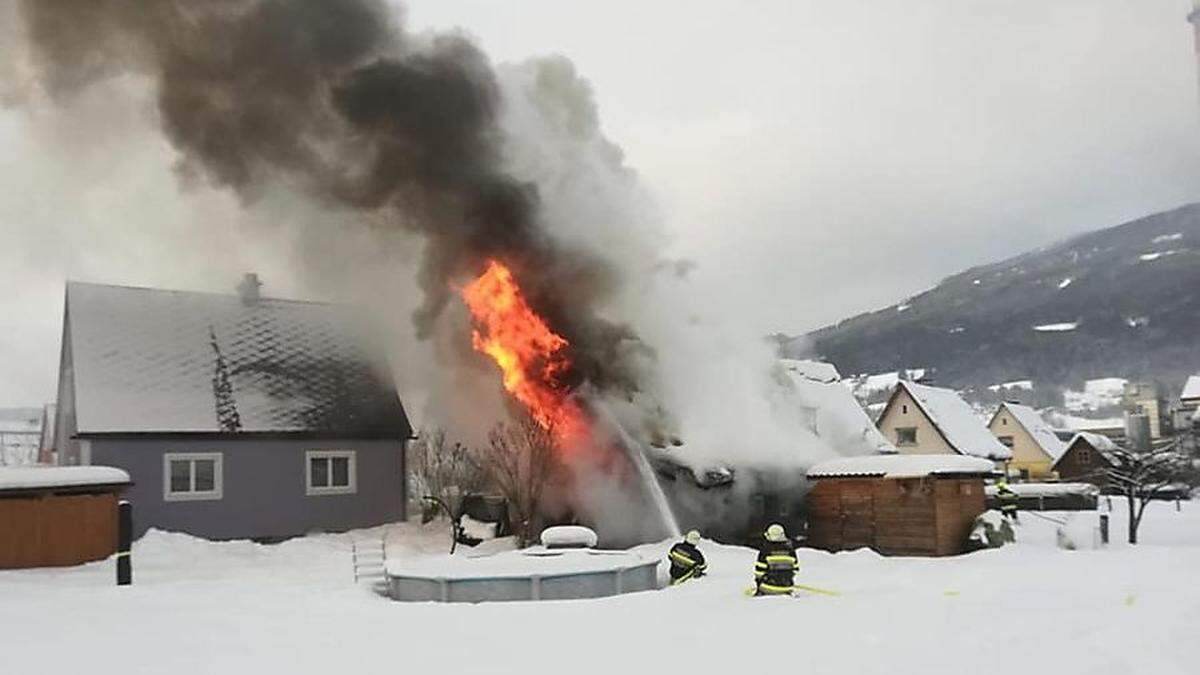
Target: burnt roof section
(150, 361)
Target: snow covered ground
(238, 607)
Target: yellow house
(923, 420)
(1035, 447)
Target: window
(1006, 441)
(1085, 456)
(906, 435)
(904, 408)
(192, 476)
(331, 472)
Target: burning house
(510, 202)
(236, 416)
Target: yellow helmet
(775, 533)
(692, 537)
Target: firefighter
(775, 571)
(1008, 501)
(687, 562)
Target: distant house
(236, 416)
(1084, 460)
(20, 436)
(1149, 400)
(923, 420)
(1190, 398)
(1187, 415)
(1034, 444)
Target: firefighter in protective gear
(775, 570)
(687, 562)
(1008, 500)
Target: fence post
(1104, 528)
(124, 540)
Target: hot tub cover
(36, 477)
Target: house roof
(955, 420)
(836, 417)
(902, 466)
(1191, 389)
(1041, 432)
(158, 361)
(817, 371)
(1099, 442)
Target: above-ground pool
(532, 574)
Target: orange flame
(531, 357)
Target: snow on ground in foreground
(203, 607)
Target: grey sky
(817, 159)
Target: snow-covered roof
(1057, 327)
(149, 360)
(957, 422)
(1042, 433)
(1099, 442)
(818, 371)
(1047, 489)
(902, 466)
(834, 414)
(33, 477)
(1192, 388)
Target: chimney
(248, 288)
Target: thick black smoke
(335, 97)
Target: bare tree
(444, 470)
(521, 460)
(1140, 475)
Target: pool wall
(560, 586)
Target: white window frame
(320, 490)
(218, 490)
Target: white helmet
(775, 533)
(692, 537)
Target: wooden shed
(896, 504)
(55, 516)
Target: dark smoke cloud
(336, 98)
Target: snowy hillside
(237, 607)
(1119, 302)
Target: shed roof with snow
(902, 466)
(954, 420)
(1038, 429)
(145, 360)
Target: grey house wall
(264, 485)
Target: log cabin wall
(901, 516)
